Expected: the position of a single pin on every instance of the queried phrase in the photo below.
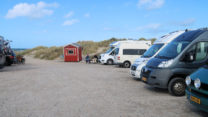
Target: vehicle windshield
(109, 50)
(152, 50)
(172, 50)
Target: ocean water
(18, 49)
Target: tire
(177, 86)
(110, 62)
(126, 64)
(1, 66)
(8, 62)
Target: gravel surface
(57, 89)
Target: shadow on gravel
(136, 79)
(158, 90)
(196, 110)
(17, 68)
(119, 66)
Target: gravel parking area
(57, 89)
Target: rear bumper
(203, 100)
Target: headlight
(197, 83)
(165, 64)
(139, 67)
(188, 80)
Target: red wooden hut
(72, 53)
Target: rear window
(133, 51)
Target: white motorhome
(151, 52)
(126, 53)
(108, 56)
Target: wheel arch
(176, 75)
(127, 61)
(110, 59)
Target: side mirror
(189, 57)
(113, 53)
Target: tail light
(118, 57)
(11, 57)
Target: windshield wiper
(163, 57)
(146, 56)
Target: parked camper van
(108, 56)
(126, 53)
(152, 52)
(197, 88)
(177, 60)
(2, 54)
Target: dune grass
(42, 52)
(89, 47)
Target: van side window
(201, 51)
(133, 51)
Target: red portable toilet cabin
(72, 53)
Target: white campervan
(126, 53)
(108, 56)
(151, 52)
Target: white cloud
(153, 26)
(187, 22)
(70, 22)
(71, 13)
(87, 15)
(151, 4)
(184, 23)
(37, 10)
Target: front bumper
(103, 61)
(134, 72)
(193, 92)
(156, 77)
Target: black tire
(126, 64)
(110, 62)
(177, 86)
(8, 62)
(1, 66)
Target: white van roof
(114, 44)
(169, 37)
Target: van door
(199, 55)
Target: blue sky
(30, 23)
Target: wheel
(126, 64)
(110, 62)
(177, 87)
(1, 66)
(8, 62)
